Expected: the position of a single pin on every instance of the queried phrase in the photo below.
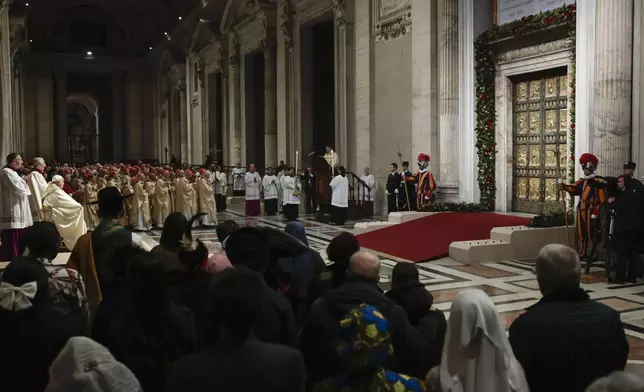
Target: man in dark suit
(393, 184)
(308, 181)
(410, 184)
(239, 361)
(566, 340)
(627, 227)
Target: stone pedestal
(613, 84)
(270, 109)
(447, 13)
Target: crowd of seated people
(264, 313)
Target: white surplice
(270, 187)
(37, 185)
(220, 183)
(15, 212)
(67, 214)
(238, 178)
(340, 191)
(288, 185)
(368, 194)
(253, 186)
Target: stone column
(340, 49)
(283, 60)
(613, 84)
(423, 113)
(62, 133)
(638, 87)
(118, 119)
(186, 155)
(270, 109)
(585, 79)
(363, 86)
(447, 13)
(234, 102)
(6, 79)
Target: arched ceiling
(115, 27)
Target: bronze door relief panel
(540, 124)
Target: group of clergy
(151, 193)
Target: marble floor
(511, 284)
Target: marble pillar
(270, 109)
(340, 74)
(423, 138)
(234, 102)
(638, 88)
(283, 59)
(118, 119)
(447, 13)
(363, 85)
(62, 132)
(613, 84)
(6, 80)
(467, 159)
(186, 150)
(585, 79)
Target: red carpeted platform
(429, 238)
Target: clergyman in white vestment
(37, 184)
(270, 192)
(253, 192)
(66, 213)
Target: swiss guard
(591, 190)
(426, 184)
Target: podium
(323, 178)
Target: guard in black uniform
(627, 228)
(411, 190)
(393, 183)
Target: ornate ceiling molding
(286, 23)
(391, 19)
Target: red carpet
(429, 238)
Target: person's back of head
(42, 239)
(364, 265)
(84, 365)
(24, 285)
(193, 254)
(249, 247)
(225, 229)
(236, 301)
(297, 230)
(618, 382)
(174, 228)
(404, 275)
(558, 269)
(110, 203)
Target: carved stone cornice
(286, 24)
(5, 4)
(195, 102)
(340, 15)
(391, 19)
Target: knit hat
(85, 366)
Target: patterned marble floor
(511, 284)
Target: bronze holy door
(540, 137)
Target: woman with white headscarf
(66, 213)
(477, 356)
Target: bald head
(558, 268)
(364, 265)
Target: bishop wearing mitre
(90, 197)
(66, 213)
(140, 209)
(150, 183)
(162, 199)
(186, 195)
(206, 197)
(37, 184)
(126, 191)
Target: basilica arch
(83, 130)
